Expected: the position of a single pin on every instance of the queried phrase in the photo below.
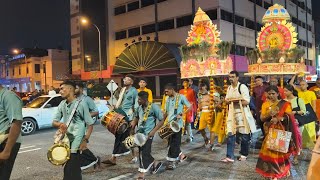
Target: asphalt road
(32, 163)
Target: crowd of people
(235, 115)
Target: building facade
(31, 72)
(168, 21)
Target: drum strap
(146, 113)
(176, 104)
(73, 111)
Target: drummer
(126, 105)
(146, 116)
(87, 158)
(174, 110)
(76, 132)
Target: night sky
(42, 23)
(30, 23)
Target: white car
(38, 114)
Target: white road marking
(122, 176)
(26, 147)
(29, 150)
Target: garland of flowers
(224, 107)
(211, 94)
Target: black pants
(174, 146)
(119, 148)
(87, 158)
(72, 169)
(145, 158)
(6, 167)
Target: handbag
(278, 139)
(308, 117)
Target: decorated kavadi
(276, 51)
(204, 55)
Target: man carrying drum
(87, 158)
(145, 117)
(10, 130)
(76, 129)
(174, 110)
(127, 103)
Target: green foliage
(224, 49)
(253, 56)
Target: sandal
(183, 159)
(242, 158)
(156, 168)
(108, 161)
(171, 166)
(227, 160)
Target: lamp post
(85, 21)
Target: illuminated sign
(19, 56)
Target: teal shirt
(170, 105)
(76, 129)
(129, 102)
(154, 114)
(10, 109)
(90, 103)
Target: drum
(59, 154)
(167, 130)
(114, 122)
(132, 141)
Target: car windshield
(38, 102)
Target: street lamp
(85, 21)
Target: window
(309, 28)
(303, 25)
(249, 24)
(54, 102)
(27, 70)
(44, 68)
(240, 50)
(133, 6)
(259, 26)
(19, 71)
(304, 43)
(259, 2)
(309, 11)
(165, 25)
(37, 68)
(299, 22)
(267, 5)
(299, 42)
(134, 32)
(78, 49)
(225, 15)
(294, 20)
(213, 14)
(309, 45)
(145, 3)
(120, 10)
(301, 4)
(12, 72)
(121, 35)
(239, 20)
(184, 21)
(78, 41)
(148, 29)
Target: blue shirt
(154, 114)
(130, 102)
(170, 105)
(76, 129)
(10, 109)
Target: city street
(32, 162)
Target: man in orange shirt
(189, 117)
(142, 85)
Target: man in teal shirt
(126, 105)
(87, 158)
(76, 130)
(174, 110)
(10, 130)
(146, 117)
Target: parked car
(38, 114)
